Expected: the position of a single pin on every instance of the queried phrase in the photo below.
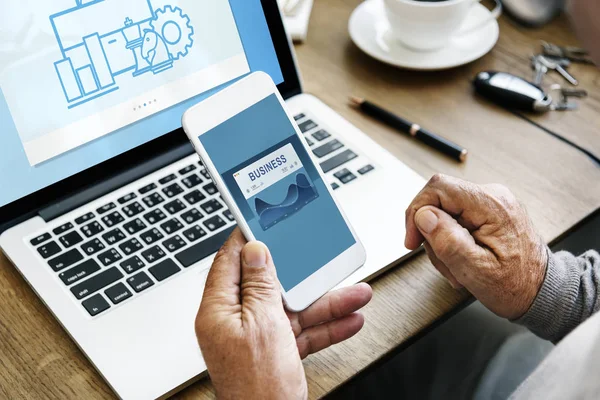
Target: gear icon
(175, 28)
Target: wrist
(537, 276)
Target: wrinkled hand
(480, 238)
(251, 345)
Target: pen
(431, 139)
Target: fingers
(459, 198)
(223, 279)
(453, 245)
(333, 305)
(441, 267)
(322, 336)
(259, 282)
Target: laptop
(105, 208)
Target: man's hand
(251, 345)
(480, 238)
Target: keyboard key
(214, 223)
(84, 218)
(132, 264)
(194, 197)
(79, 272)
(164, 270)
(95, 305)
(92, 229)
(203, 249)
(151, 236)
(109, 257)
(49, 249)
(140, 282)
(65, 260)
(307, 125)
(113, 219)
(192, 216)
(337, 161)
(172, 190)
(96, 282)
(211, 189)
(135, 226)
(348, 178)
(194, 233)
(211, 206)
(187, 169)
(153, 254)
(228, 215)
(328, 148)
(133, 209)
(114, 236)
(174, 244)
(63, 228)
(192, 181)
(341, 173)
(40, 239)
(309, 142)
(127, 198)
(335, 186)
(153, 200)
(205, 174)
(321, 135)
(175, 206)
(167, 179)
(299, 117)
(71, 239)
(366, 169)
(92, 247)
(130, 246)
(106, 208)
(147, 188)
(154, 216)
(118, 293)
(171, 226)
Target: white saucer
(368, 28)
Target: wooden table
(558, 185)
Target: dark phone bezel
(26, 207)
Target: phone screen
(277, 188)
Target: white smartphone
(266, 174)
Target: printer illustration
(102, 39)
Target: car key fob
(512, 92)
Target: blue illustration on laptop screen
(278, 189)
(82, 81)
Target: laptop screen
(83, 81)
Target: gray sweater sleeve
(569, 295)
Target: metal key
(564, 107)
(563, 62)
(580, 93)
(574, 54)
(558, 68)
(540, 70)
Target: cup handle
(494, 14)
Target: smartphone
(266, 174)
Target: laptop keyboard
(129, 245)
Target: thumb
(259, 278)
(452, 244)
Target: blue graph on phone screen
(276, 186)
(299, 194)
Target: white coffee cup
(428, 26)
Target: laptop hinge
(97, 190)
